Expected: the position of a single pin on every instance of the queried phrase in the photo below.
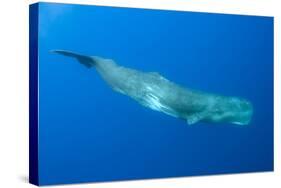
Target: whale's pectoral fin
(194, 118)
(83, 59)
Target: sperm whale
(154, 91)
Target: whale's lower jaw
(245, 120)
(242, 123)
(193, 119)
(237, 118)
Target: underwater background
(88, 132)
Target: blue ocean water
(88, 132)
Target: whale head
(232, 110)
(241, 111)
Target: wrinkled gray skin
(156, 92)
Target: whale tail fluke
(87, 61)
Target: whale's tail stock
(87, 61)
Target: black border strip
(33, 94)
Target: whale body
(153, 91)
